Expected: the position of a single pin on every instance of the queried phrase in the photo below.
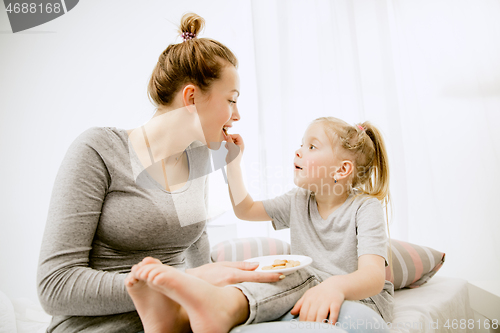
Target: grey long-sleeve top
(106, 214)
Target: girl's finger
(313, 311)
(334, 313)
(238, 140)
(228, 137)
(322, 314)
(304, 310)
(296, 309)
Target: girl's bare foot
(158, 313)
(210, 309)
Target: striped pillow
(240, 249)
(413, 265)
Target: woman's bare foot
(210, 309)
(158, 313)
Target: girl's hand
(318, 302)
(235, 147)
(226, 272)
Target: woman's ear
(188, 95)
(345, 169)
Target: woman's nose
(236, 114)
(297, 152)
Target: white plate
(269, 260)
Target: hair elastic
(187, 35)
(361, 127)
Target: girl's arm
(324, 301)
(245, 208)
(367, 281)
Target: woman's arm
(66, 284)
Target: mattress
(440, 305)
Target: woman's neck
(168, 133)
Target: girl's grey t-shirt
(106, 214)
(352, 230)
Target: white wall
(89, 67)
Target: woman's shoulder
(101, 137)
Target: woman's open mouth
(297, 167)
(224, 130)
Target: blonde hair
(199, 61)
(364, 145)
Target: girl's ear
(345, 169)
(188, 95)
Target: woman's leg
(210, 309)
(158, 313)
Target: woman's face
(217, 108)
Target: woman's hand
(226, 272)
(235, 147)
(318, 302)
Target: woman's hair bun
(191, 23)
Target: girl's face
(314, 162)
(217, 108)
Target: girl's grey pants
(273, 301)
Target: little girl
(336, 218)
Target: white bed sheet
(22, 315)
(429, 308)
(424, 310)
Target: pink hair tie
(361, 127)
(188, 35)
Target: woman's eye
(232, 102)
(311, 146)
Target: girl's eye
(232, 102)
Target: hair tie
(188, 35)
(361, 127)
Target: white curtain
(428, 74)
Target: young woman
(120, 195)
